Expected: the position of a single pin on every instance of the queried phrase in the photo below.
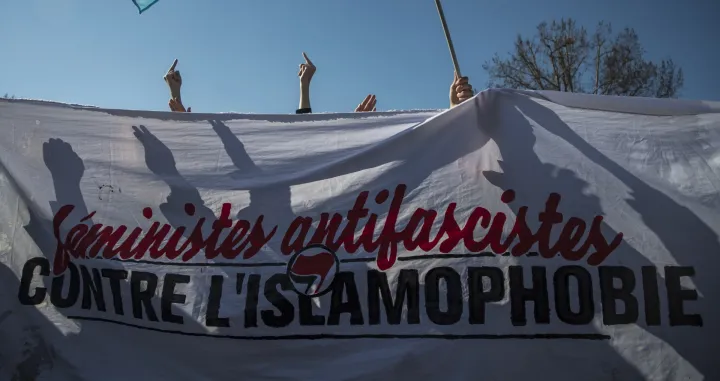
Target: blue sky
(242, 55)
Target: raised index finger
(307, 60)
(172, 68)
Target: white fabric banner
(518, 236)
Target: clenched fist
(460, 91)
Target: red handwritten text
(243, 237)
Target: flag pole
(447, 37)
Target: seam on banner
(222, 116)
(407, 258)
(534, 336)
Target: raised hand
(460, 91)
(177, 106)
(307, 70)
(174, 82)
(367, 105)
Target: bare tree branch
(562, 57)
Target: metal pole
(447, 37)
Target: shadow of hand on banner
(682, 232)
(272, 204)
(160, 161)
(534, 180)
(414, 166)
(689, 240)
(417, 160)
(273, 201)
(26, 331)
(67, 169)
